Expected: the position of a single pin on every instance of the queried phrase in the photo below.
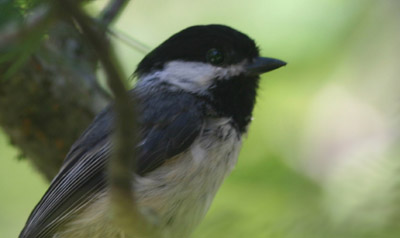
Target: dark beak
(262, 65)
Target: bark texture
(52, 98)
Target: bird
(195, 95)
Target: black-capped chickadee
(195, 93)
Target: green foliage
(15, 53)
(9, 11)
(25, 5)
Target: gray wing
(169, 124)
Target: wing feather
(169, 124)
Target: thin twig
(126, 213)
(111, 11)
(130, 41)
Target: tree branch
(54, 88)
(126, 214)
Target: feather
(168, 127)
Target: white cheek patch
(194, 76)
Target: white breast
(181, 191)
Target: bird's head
(214, 61)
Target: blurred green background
(321, 158)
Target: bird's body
(178, 200)
(193, 109)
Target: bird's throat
(235, 98)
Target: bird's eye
(214, 56)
